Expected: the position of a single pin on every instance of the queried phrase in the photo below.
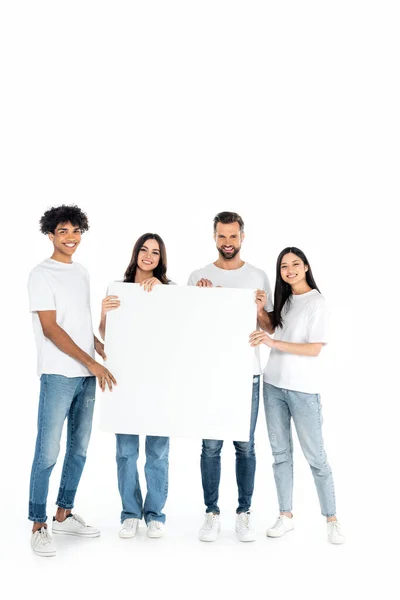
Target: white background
(154, 116)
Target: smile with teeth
(70, 244)
(147, 262)
(291, 276)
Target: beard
(230, 255)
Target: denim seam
(291, 458)
(68, 455)
(41, 433)
(322, 456)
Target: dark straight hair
(161, 269)
(283, 291)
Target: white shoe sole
(82, 535)
(126, 536)
(45, 554)
(250, 537)
(204, 538)
(277, 535)
(155, 536)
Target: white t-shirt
(248, 277)
(62, 287)
(304, 322)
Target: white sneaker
(210, 529)
(335, 536)
(155, 529)
(283, 525)
(42, 543)
(244, 527)
(129, 528)
(74, 525)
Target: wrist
(89, 362)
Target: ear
(242, 236)
(51, 237)
(306, 267)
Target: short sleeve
(41, 296)
(192, 279)
(318, 325)
(269, 306)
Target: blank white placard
(182, 360)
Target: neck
(301, 287)
(141, 275)
(229, 265)
(60, 257)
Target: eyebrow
(146, 248)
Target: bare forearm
(61, 339)
(264, 322)
(300, 349)
(102, 327)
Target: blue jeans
(245, 463)
(61, 397)
(156, 472)
(305, 409)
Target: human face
(66, 239)
(228, 239)
(149, 256)
(293, 269)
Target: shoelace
(209, 521)
(155, 525)
(243, 520)
(335, 525)
(43, 537)
(129, 523)
(279, 523)
(79, 520)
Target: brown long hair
(161, 269)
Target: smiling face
(149, 256)
(293, 269)
(228, 239)
(66, 239)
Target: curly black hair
(62, 214)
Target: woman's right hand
(109, 303)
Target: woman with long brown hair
(147, 267)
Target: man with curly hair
(59, 300)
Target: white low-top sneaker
(129, 528)
(74, 525)
(155, 529)
(211, 527)
(283, 525)
(244, 527)
(335, 536)
(42, 543)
